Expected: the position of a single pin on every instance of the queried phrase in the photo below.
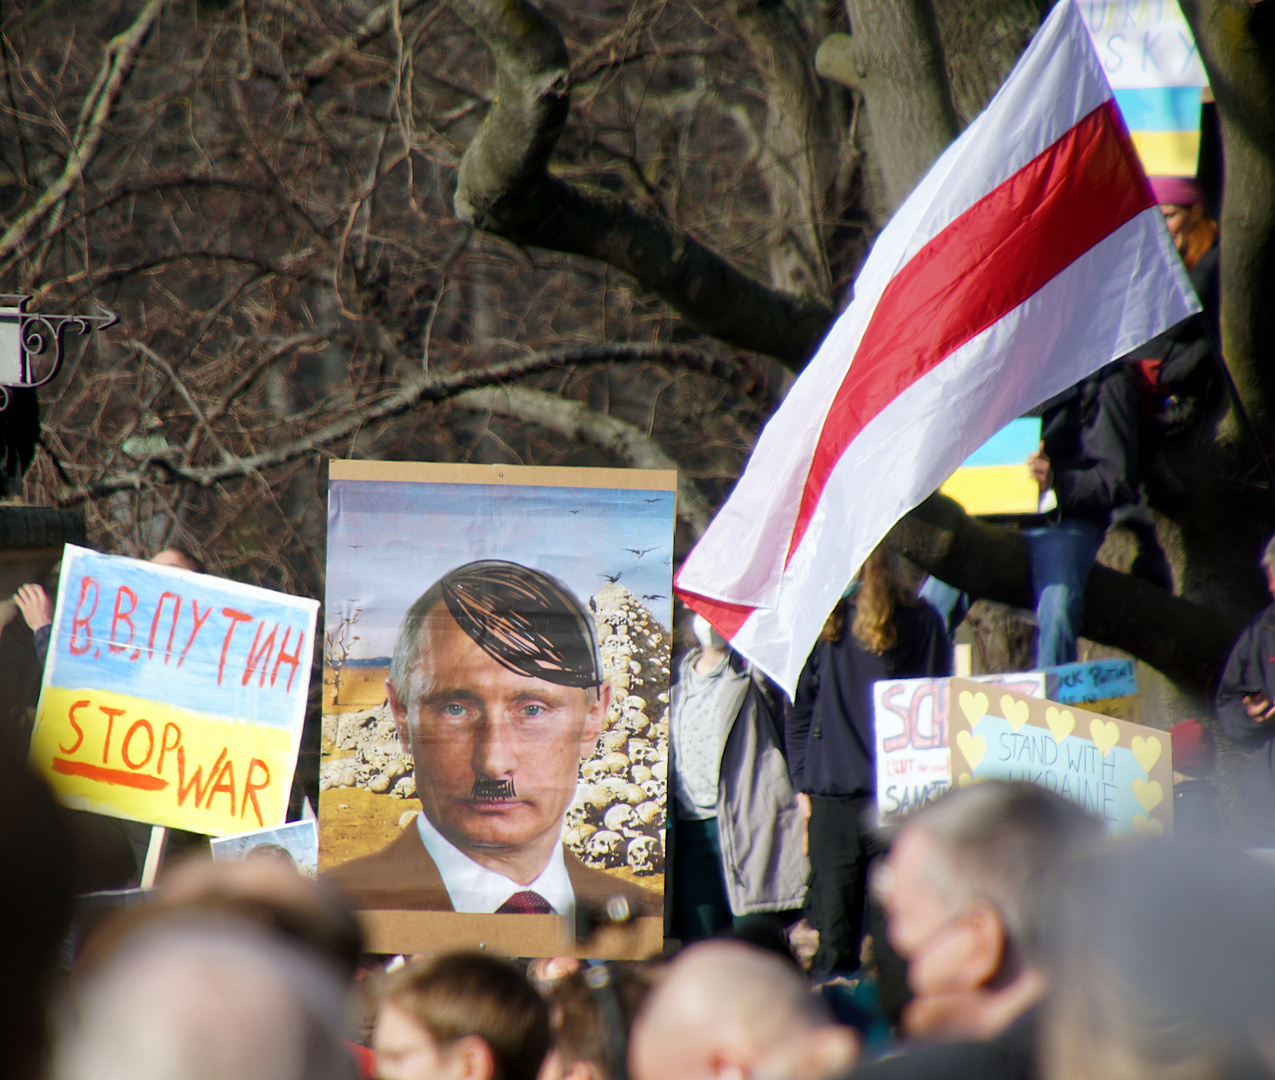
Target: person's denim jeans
(1062, 556)
(948, 601)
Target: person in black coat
(1246, 710)
(879, 632)
(1087, 467)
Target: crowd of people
(997, 931)
(1032, 946)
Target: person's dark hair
(1005, 843)
(591, 1013)
(462, 994)
(524, 619)
(192, 561)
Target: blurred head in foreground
(1165, 967)
(205, 999)
(964, 890)
(463, 1016)
(37, 851)
(591, 1012)
(725, 1008)
(266, 892)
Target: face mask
(706, 634)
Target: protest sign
(1121, 772)
(914, 765)
(1150, 57)
(995, 478)
(295, 844)
(1091, 680)
(1109, 687)
(170, 697)
(533, 600)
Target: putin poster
(495, 705)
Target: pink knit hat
(1176, 190)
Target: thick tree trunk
(1236, 39)
(803, 142)
(1190, 642)
(894, 56)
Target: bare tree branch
(1184, 640)
(421, 390)
(504, 187)
(121, 51)
(575, 420)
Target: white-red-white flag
(1029, 256)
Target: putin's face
(497, 753)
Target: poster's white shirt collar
(474, 888)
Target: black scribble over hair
(525, 620)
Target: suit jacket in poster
(402, 877)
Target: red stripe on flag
(109, 776)
(726, 618)
(984, 264)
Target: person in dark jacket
(1086, 467)
(1179, 366)
(880, 632)
(1246, 710)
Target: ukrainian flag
(1164, 122)
(994, 479)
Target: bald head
(204, 1001)
(724, 1003)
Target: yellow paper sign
(172, 698)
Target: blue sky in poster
(388, 541)
(116, 616)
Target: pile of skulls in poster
(617, 816)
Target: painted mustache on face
(488, 789)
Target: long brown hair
(1201, 237)
(881, 593)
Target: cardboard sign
(995, 479)
(171, 697)
(914, 765)
(510, 590)
(1121, 772)
(1093, 680)
(1151, 60)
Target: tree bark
(803, 143)
(1236, 40)
(894, 56)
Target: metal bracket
(28, 336)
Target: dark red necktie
(525, 903)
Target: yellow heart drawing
(964, 780)
(1105, 735)
(1147, 826)
(1147, 751)
(972, 746)
(1062, 722)
(974, 706)
(1014, 711)
(1149, 793)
